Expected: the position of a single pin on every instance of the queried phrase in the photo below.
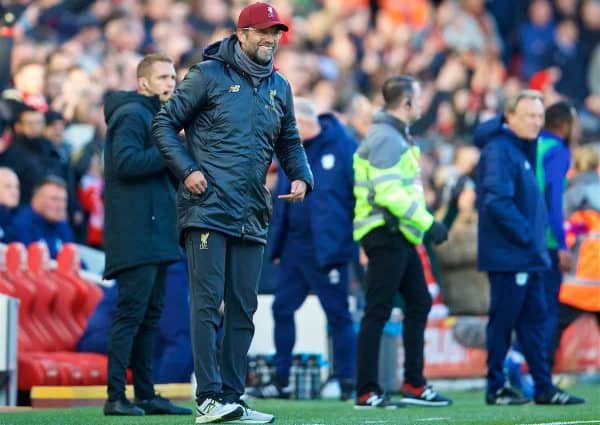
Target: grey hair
(513, 102)
(305, 109)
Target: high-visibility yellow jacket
(388, 187)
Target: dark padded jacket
(512, 213)
(232, 129)
(139, 199)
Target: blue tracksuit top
(323, 222)
(28, 227)
(554, 159)
(512, 213)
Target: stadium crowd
(59, 59)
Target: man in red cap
(236, 111)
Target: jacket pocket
(190, 197)
(268, 211)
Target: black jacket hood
(116, 99)
(222, 50)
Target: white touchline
(597, 421)
(431, 419)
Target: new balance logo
(234, 89)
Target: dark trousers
(394, 266)
(222, 268)
(172, 344)
(518, 305)
(552, 280)
(567, 315)
(139, 306)
(297, 275)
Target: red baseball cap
(260, 16)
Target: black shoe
(506, 396)
(348, 392)
(161, 406)
(424, 396)
(559, 397)
(374, 400)
(121, 408)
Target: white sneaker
(251, 416)
(212, 410)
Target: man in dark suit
(140, 237)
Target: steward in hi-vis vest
(390, 219)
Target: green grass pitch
(468, 408)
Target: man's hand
(564, 261)
(297, 192)
(196, 183)
(363, 258)
(437, 233)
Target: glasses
(274, 32)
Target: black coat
(34, 159)
(139, 198)
(232, 129)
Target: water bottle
(262, 370)
(251, 379)
(296, 377)
(306, 378)
(314, 371)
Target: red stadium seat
(48, 325)
(89, 295)
(62, 294)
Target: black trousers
(394, 266)
(139, 306)
(566, 316)
(222, 268)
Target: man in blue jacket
(512, 247)
(553, 162)
(45, 219)
(312, 241)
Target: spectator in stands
(9, 201)
(32, 156)
(580, 291)
(512, 247)
(237, 112)
(390, 219)
(46, 218)
(140, 237)
(312, 242)
(358, 115)
(28, 79)
(54, 131)
(535, 38)
(568, 56)
(35, 157)
(584, 188)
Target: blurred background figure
(312, 244)
(45, 219)
(9, 201)
(580, 291)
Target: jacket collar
(384, 117)
(547, 134)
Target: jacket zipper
(245, 216)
